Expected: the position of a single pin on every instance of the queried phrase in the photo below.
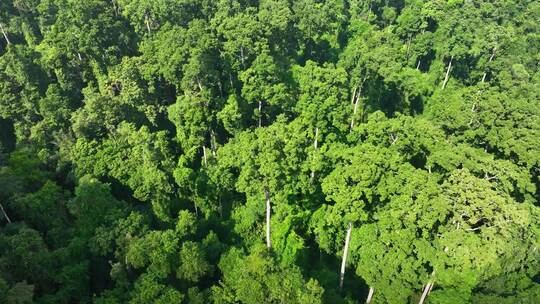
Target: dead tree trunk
(447, 76)
(4, 33)
(490, 59)
(344, 259)
(268, 210)
(5, 214)
(370, 295)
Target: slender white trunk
(356, 102)
(490, 59)
(427, 289)
(242, 58)
(316, 141)
(199, 84)
(353, 95)
(147, 22)
(115, 5)
(204, 156)
(213, 142)
(268, 210)
(430, 288)
(260, 114)
(418, 65)
(447, 76)
(354, 112)
(370, 295)
(5, 34)
(344, 259)
(220, 86)
(315, 145)
(79, 56)
(5, 214)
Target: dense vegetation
(272, 151)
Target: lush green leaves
(146, 146)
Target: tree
(23, 83)
(147, 171)
(242, 36)
(272, 151)
(257, 279)
(319, 23)
(264, 90)
(321, 105)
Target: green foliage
(193, 264)
(257, 279)
(148, 148)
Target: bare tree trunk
(147, 22)
(344, 259)
(353, 95)
(427, 289)
(5, 214)
(408, 46)
(115, 5)
(316, 141)
(260, 113)
(199, 84)
(430, 287)
(220, 86)
(447, 76)
(213, 145)
(355, 110)
(420, 60)
(5, 34)
(268, 210)
(370, 295)
(242, 58)
(356, 102)
(220, 207)
(490, 59)
(315, 145)
(204, 156)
